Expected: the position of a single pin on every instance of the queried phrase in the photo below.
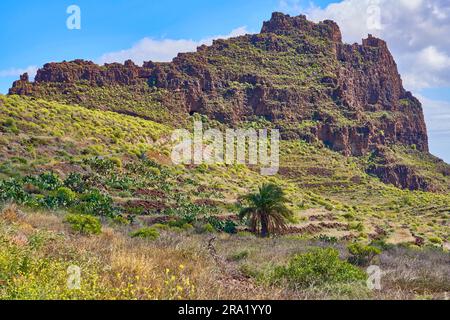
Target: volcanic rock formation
(295, 73)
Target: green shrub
(229, 227)
(64, 196)
(382, 245)
(75, 182)
(204, 228)
(176, 229)
(327, 239)
(216, 223)
(362, 255)
(155, 172)
(121, 220)
(357, 226)
(250, 271)
(19, 160)
(435, 240)
(350, 216)
(12, 190)
(146, 233)
(84, 224)
(117, 162)
(318, 267)
(176, 223)
(208, 228)
(179, 224)
(120, 182)
(48, 181)
(98, 204)
(189, 212)
(10, 125)
(160, 226)
(203, 168)
(187, 226)
(48, 202)
(102, 165)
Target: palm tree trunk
(264, 226)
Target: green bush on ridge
(97, 203)
(362, 255)
(84, 224)
(320, 266)
(146, 233)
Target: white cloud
(150, 49)
(163, 50)
(437, 115)
(15, 72)
(411, 4)
(433, 58)
(416, 31)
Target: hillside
(40, 136)
(95, 141)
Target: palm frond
(268, 207)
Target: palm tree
(266, 210)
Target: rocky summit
(296, 74)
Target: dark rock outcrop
(282, 24)
(385, 166)
(401, 176)
(80, 70)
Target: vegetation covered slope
(128, 159)
(40, 132)
(157, 219)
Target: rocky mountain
(296, 74)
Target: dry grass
(11, 213)
(416, 273)
(173, 267)
(180, 265)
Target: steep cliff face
(369, 83)
(295, 73)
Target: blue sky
(35, 32)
